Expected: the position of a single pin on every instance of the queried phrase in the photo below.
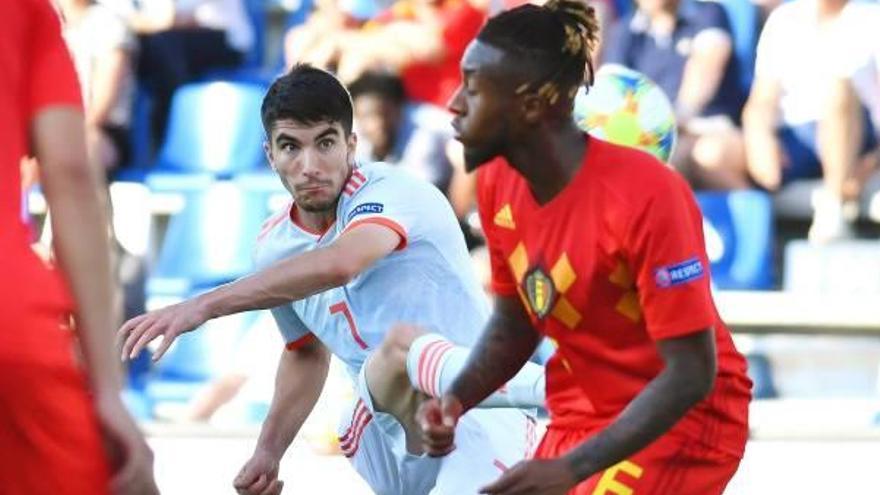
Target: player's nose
(456, 102)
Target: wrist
(270, 449)
(206, 306)
(580, 469)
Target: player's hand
(437, 418)
(259, 476)
(130, 456)
(168, 322)
(536, 477)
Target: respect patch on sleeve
(365, 208)
(679, 273)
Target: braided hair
(555, 40)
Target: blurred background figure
(104, 52)
(182, 40)
(391, 129)
(422, 40)
(808, 113)
(686, 47)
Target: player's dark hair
(554, 41)
(307, 95)
(379, 83)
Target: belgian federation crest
(541, 292)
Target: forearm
(759, 129)
(501, 351)
(298, 385)
(78, 202)
(288, 280)
(702, 78)
(652, 413)
(106, 85)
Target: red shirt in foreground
(37, 73)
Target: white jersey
(427, 281)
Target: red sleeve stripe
(300, 342)
(385, 222)
(355, 182)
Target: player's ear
(351, 144)
(267, 149)
(532, 107)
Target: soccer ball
(625, 107)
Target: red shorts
(48, 432)
(672, 465)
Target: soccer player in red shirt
(599, 247)
(57, 426)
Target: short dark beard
(322, 208)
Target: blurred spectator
(686, 47)
(103, 50)
(182, 40)
(410, 135)
(807, 116)
(423, 40)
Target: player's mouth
(456, 128)
(311, 188)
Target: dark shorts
(801, 146)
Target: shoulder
(635, 176)
(378, 175)
(274, 223)
(382, 182)
(786, 15)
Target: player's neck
(549, 159)
(313, 221)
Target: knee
(719, 151)
(395, 347)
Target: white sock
(433, 363)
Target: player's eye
(326, 144)
(289, 147)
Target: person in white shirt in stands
(104, 50)
(814, 108)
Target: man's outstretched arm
(287, 280)
(686, 379)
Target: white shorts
(487, 441)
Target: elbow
(700, 380)
(342, 270)
(693, 380)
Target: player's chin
(316, 204)
(474, 157)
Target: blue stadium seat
(209, 241)
(214, 131)
(739, 238)
(195, 358)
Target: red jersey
(37, 73)
(611, 264)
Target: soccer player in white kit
(367, 263)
